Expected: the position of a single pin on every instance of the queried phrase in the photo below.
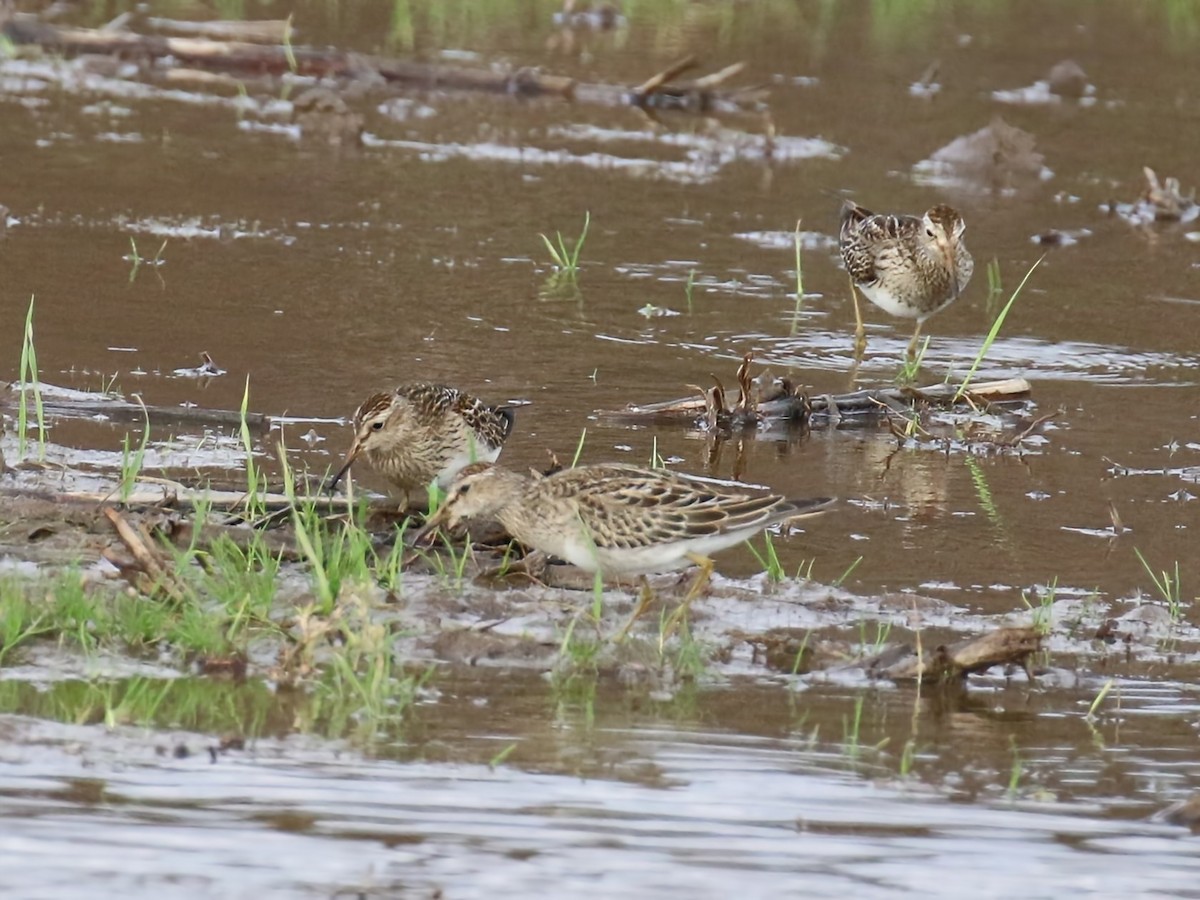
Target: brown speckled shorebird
(909, 266)
(422, 432)
(618, 519)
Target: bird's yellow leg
(912, 345)
(702, 579)
(860, 331)
(645, 598)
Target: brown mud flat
(500, 609)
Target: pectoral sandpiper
(909, 266)
(618, 519)
(422, 432)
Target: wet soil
(322, 270)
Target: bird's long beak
(948, 249)
(424, 534)
(355, 448)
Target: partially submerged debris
(1066, 80)
(321, 112)
(1184, 812)
(997, 157)
(694, 96)
(782, 404)
(230, 51)
(206, 369)
(955, 661)
(1159, 202)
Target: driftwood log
(203, 47)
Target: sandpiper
(909, 266)
(422, 432)
(618, 519)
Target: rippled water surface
(322, 272)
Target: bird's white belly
(477, 453)
(889, 302)
(579, 551)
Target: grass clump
(132, 458)
(1167, 583)
(566, 256)
(30, 384)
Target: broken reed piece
(695, 96)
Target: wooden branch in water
(952, 662)
(245, 58)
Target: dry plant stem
(1033, 426)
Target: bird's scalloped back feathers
(508, 417)
(429, 399)
(627, 506)
(852, 215)
(865, 236)
(490, 424)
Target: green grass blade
(995, 330)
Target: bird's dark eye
(929, 232)
(462, 490)
(377, 426)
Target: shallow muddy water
(325, 272)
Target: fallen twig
(138, 542)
